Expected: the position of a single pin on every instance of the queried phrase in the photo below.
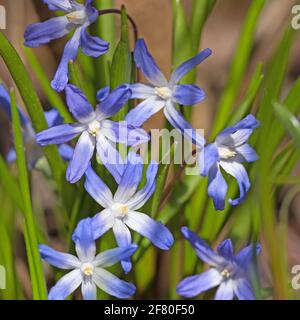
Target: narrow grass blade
(239, 65)
(35, 265)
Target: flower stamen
(87, 269)
(94, 128)
(77, 17)
(226, 153)
(163, 92)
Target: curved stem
(117, 11)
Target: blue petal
(203, 251)
(146, 63)
(110, 257)
(66, 285)
(70, 53)
(120, 132)
(247, 152)
(88, 290)
(53, 118)
(217, 187)
(113, 285)
(114, 102)
(59, 134)
(178, 122)
(142, 196)
(63, 5)
(58, 259)
(92, 46)
(188, 94)
(66, 152)
(225, 291)
(84, 240)
(193, 286)
(78, 104)
(246, 255)
(225, 249)
(102, 222)
(155, 231)
(239, 133)
(103, 93)
(110, 157)
(189, 65)
(97, 189)
(11, 155)
(123, 238)
(141, 91)
(237, 170)
(43, 32)
(243, 290)
(81, 158)
(208, 158)
(130, 179)
(5, 104)
(144, 111)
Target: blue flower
(162, 94)
(88, 268)
(78, 18)
(228, 151)
(121, 211)
(94, 129)
(228, 271)
(32, 150)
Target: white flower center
(226, 274)
(163, 92)
(120, 210)
(94, 128)
(77, 17)
(87, 269)
(226, 153)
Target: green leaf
(121, 67)
(182, 44)
(289, 121)
(239, 65)
(105, 28)
(200, 13)
(35, 265)
(244, 108)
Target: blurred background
(154, 21)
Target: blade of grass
(200, 13)
(239, 65)
(106, 29)
(121, 67)
(289, 121)
(35, 265)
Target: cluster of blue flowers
(121, 209)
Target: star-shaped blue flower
(228, 271)
(88, 269)
(77, 18)
(94, 129)
(162, 94)
(228, 151)
(121, 210)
